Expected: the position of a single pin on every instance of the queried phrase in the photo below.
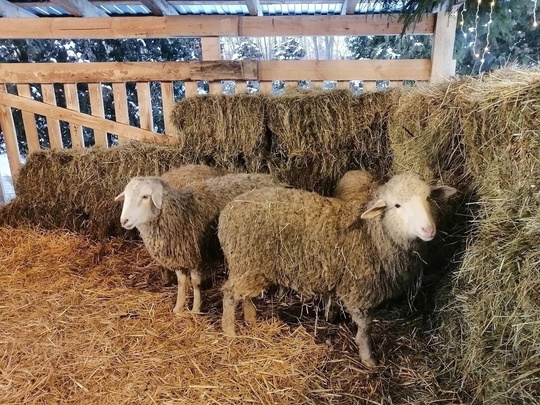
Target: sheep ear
(375, 210)
(442, 193)
(119, 197)
(157, 198)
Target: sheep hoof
(370, 362)
(178, 309)
(229, 332)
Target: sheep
(192, 173)
(317, 245)
(355, 185)
(178, 225)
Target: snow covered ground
(7, 191)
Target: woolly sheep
(316, 245)
(177, 225)
(192, 173)
(355, 185)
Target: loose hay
(87, 322)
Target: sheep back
(182, 176)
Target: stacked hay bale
(317, 136)
(227, 131)
(482, 136)
(75, 189)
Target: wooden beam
(159, 7)
(254, 7)
(144, 100)
(10, 10)
(72, 103)
(212, 26)
(443, 64)
(348, 7)
(75, 117)
(29, 121)
(80, 8)
(10, 137)
(379, 69)
(127, 71)
(53, 126)
(98, 110)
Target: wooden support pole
(10, 135)
(443, 64)
(211, 51)
(29, 121)
(96, 105)
(53, 125)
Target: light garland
(476, 55)
(486, 49)
(462, 22)
(535, 23)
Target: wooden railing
(100, 76)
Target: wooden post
(72, 102)
(167, 98)
(145, 106)
(120, 105)
(442, 54)
(369, 86)
(211, 51)
(53, 125)
(29, 120)
(10, 137)
(190, 89)
(96, 105)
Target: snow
(6, 185)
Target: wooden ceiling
(104, 8)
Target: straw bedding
(90, 322)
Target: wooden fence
(97, 76)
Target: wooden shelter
(209, 20)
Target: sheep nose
(429, 230)
(124, 221)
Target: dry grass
(318, 136)
(87, 322)
(226, 130)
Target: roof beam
(254, 7)
(10, 10)
(348, 6)
(80, 8)
(159, 7)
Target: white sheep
(317, 245)
(178, 225)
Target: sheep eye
(397, 205)
(145, 197)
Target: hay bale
(224, 130)
(481, 135)
(319, 135)
(75, 189)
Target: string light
(476, 55)
(486, 49)
(535, 23)
(462, 22)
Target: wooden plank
(265, 87)
(29, 121)
(348, 6)
(442, 53)
(212, 26)
(372, 24)
(145, 106)
(53, 126)
(76, 117)
(191, 89)
(397, 69)
(127, 71)
(10, 136)
(159, 7)
(316, 84)
(211, 49)
(369, 85)
(167, 98)
(120, 104)
(80, 8)
(241, 87)
(96, 106)
(344, 85)
(215, 88)
(395, 83)
(10, 10)
(254, 7)
(72, 102)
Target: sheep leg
(196, 283)
(181, 297)
(250, 312)
(363, 337)
(229, 307)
